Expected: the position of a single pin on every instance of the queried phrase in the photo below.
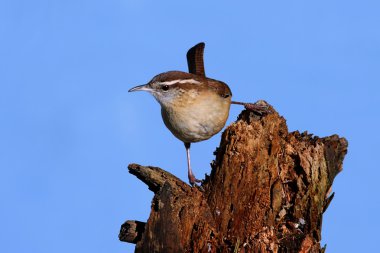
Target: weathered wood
(267, 191)
(155, 177)
(131, 231)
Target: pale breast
(198, 118)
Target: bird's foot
(261, 107)
(193, 182)
(257, 108)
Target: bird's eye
(165, 87)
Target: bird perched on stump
(193, 106)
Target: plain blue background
(69, 128)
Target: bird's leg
(192, 179)
(259, 108)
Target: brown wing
(195, 59)
(221, 88)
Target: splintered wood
(267, 191)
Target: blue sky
(69, 128)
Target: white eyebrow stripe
(181, 81)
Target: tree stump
(267, 191)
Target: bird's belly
(196, 123)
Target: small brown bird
(193, 106)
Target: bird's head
(170, 87)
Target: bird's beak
(141, 87)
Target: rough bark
(267, 191)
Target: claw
(193, 182)
(258, 107)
